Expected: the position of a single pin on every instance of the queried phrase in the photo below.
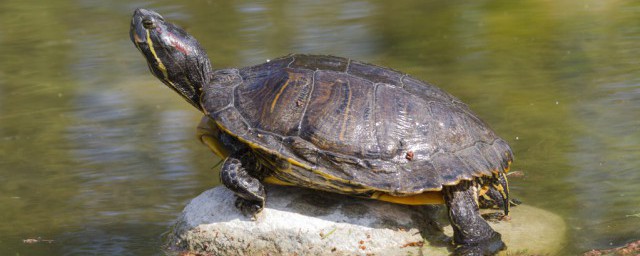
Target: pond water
(100, 157)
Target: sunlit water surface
(98, 156)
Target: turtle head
(173, 56)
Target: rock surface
(299, 221)
(630, 249)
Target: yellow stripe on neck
(155, 55)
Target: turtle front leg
(236, 176)
(472, 235)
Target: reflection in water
(308, 27)
(97, 155)
(609, 151)
(133, 168)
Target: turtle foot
(489, 246)
(496, 217)
(249, 208)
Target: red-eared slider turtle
(337, 125)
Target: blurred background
(100, 157)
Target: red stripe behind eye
(179, 46)
(176, 43)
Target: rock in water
(298, 221)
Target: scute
(266, 69)
(345, 126)
(339, 115)
(374, 74)
(277, 102)
(315, 62)
(217, 97)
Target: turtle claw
(249, 208)
(473, 251)
(496, 217)
(490, 246)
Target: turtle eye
(148, 24)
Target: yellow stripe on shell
(276, 181)
(429, 197)
(273, 103)
(345, 118)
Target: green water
(100, 157)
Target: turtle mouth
(135, 36)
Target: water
(100, 157)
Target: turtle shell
(345, 126)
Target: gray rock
(299, 221)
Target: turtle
(339, 125)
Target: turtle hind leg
(472, 235)
(497, 195)
(248, 189)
